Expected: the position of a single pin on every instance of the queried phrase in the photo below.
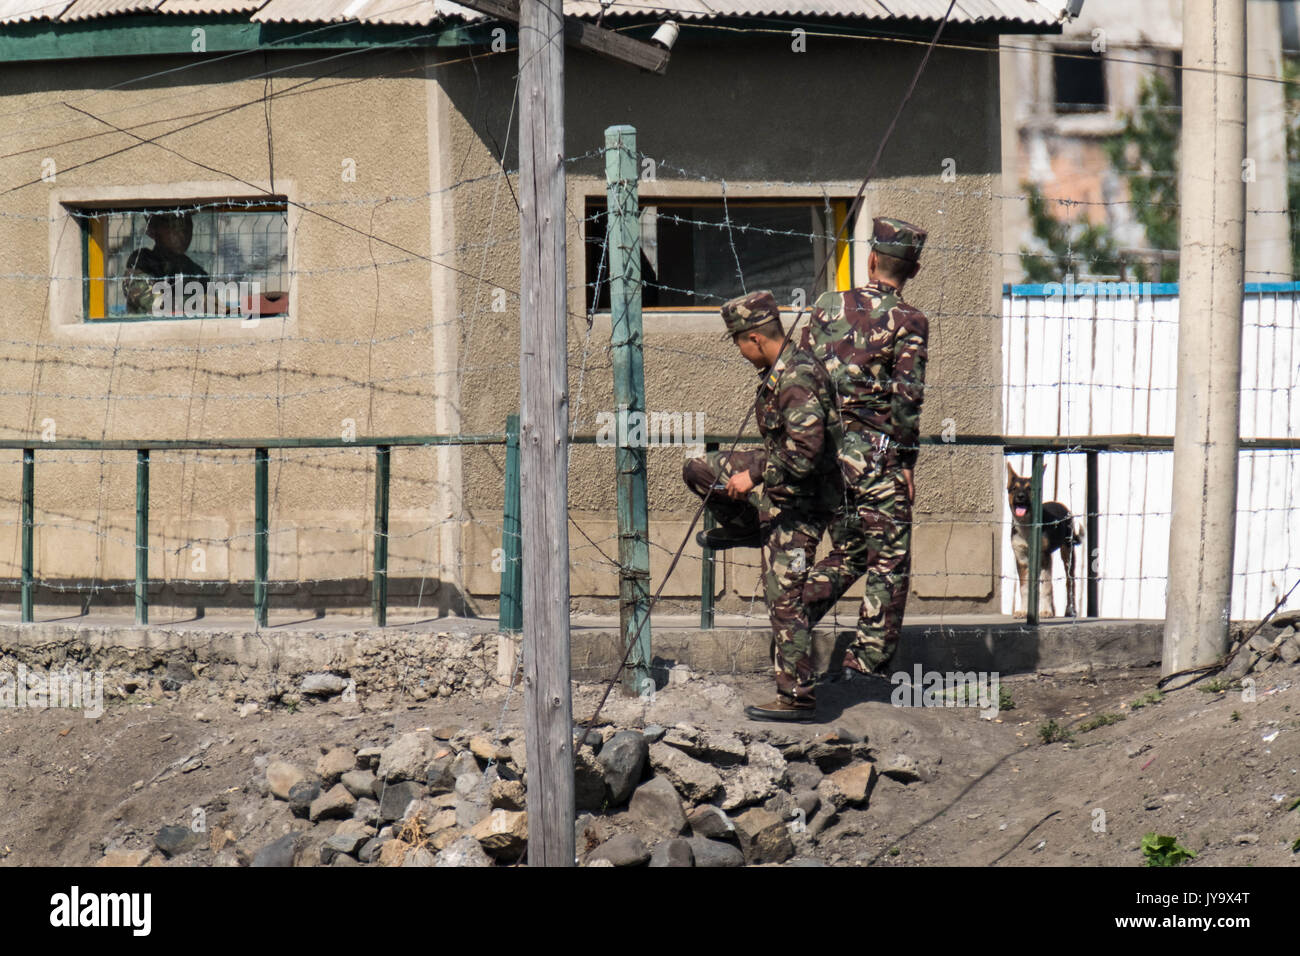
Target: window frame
(69, 251)
(841, 278)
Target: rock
(854, 783)
(825, 816)
(333, 804)
(652, 733)
(623, 761)
(807, 801)
(763, 773)
(694, 780)
(369, 852)
(503, 834)
(1246, 838)
(1261, 644)
(367, 811)
(301, 797)
(723, 750)
(682, 736)
(1242, 663)
(341, 841)
(279, 853)
(344, 860)
(763, 837)
(673, 853)
(1289, 651)
(323, 685)
(590, 832)
(124, 858)
(506, 795)
(465, 851)
(439, 776)
(588, 781)
(407, 758)
(622, 849)
(394, 798)
(463, 763)
(335, 764)
(446, 732)
(803, 776)
(900, 767)
(711, 823)
(419, 856)
(656, 805)
(359, 783)
(485, 750)
(712, 853)
(393, 852)
(519, 755)
(173, 840)
(368, 757)
(281, 778)
(830, 753)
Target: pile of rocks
(677, 796)
(1275, 644)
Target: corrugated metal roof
(17, 11)
(209, 6)
(89, 9)
(423, 12)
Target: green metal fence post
(624, 214)
(708, 586)
(142, 536)
(511, 608)
(26, 516)
(1035, 536)
(379, 586)
(261, 465)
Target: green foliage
(1005, 700)
(1101, 720)
(1052, 732)
(1164, 850)
(1145, 151)
(1151, 697)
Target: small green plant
(1164, 850)
(1295, 804)
(894, 851)
(1235, 716)
(1052, 732)
(1005, 700)
(1101, 720)
(1151, 697)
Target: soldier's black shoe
(719, 539)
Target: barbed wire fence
(1072, 363)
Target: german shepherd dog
(1058, 534)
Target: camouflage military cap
(749, 312)
(893, 237)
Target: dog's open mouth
(1021, 511)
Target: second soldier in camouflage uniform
(873, 344)
(800, 489)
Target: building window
(184, 260)
(1080, 77)
(694, 252)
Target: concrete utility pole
(1268, 223)
(543, 438)
(1213, 200)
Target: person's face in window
(171, 234)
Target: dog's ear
(1011, 476)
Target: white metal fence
(1101, 359)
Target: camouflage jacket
(795, 410)
(873, 345)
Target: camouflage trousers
(790, 536)
(871, 534)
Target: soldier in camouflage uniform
(873, 345)
(800, 489)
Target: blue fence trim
(1136, 288)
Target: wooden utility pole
(1212, 192)
(543, 434)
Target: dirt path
(1211, 769)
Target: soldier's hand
(739, 485)
(911, 485)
